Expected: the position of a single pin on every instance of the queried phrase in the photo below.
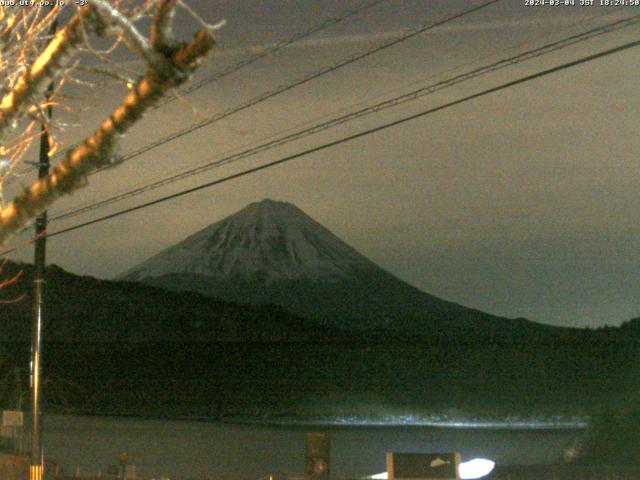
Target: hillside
(273, 253)
(131, 349)
(85, 309)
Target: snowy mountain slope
(273, 253)
(269, 241)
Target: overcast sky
(523, 203)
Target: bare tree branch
(34, 80)
(97, 151)
(163, 23)
(136, 40)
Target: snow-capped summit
(273, 253)
(265, 241)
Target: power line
(363, 6)
(386, 104)
(285, 88)
(271, 50)
(355, 136)
(301, 81)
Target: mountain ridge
(270, 239)
(84, 309)
(272, 252)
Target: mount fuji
(272, 252)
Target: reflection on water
(226, 451)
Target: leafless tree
(31, 58)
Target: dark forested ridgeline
(81, 309)
(270, 378)
(119, 347)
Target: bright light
(379, 476)
(476, 468)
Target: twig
(97, 151)
(34, 80)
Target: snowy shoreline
(573, 423)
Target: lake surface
(189, 449)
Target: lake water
(188, 449)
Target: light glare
(379, 476)
(476, 468)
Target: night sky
(522, 203)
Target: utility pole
(36, 467)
